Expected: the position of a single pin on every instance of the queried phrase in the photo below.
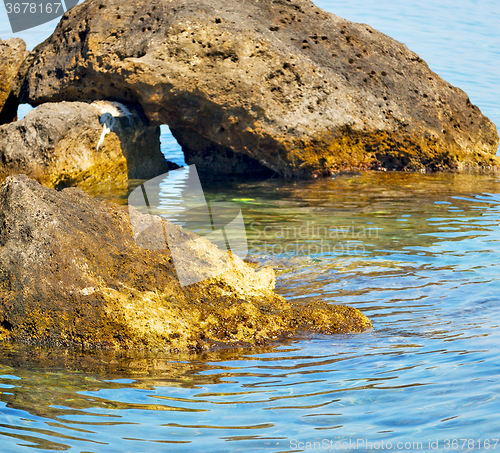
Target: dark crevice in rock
(212, 159)
(6, 325)
(9, 112)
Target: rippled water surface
(419, 254)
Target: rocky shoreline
(72, 274)
(271, 88)
(245, 87)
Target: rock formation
(65, 144)
(12, 55)
(72, 274)
(287, 85)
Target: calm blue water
(419, 254)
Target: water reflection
(428, 277)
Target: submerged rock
(81, 144)
(72, 274)
(12, 55)
(287, 85)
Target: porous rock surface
(71, 273)
(59, 145)
(287, 85)
(12, 54)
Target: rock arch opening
(213, 160)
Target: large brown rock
(71, 273)
(12, 55)
(62, 144)
(292, 87)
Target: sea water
(419, 254)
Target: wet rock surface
(296, 89)
(66, 144)
(12, 55)
(72, 274)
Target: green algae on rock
(72, 274)
(64, 144)
(247, 85)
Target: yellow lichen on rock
(72, 274)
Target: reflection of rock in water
(51, 380)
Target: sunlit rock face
(81, 144)
(71, 274)
(12, 55)
(282, 83)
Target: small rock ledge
(82, 144)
